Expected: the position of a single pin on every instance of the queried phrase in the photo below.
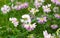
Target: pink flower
(29, 27)
(18, 7)
(5, 9)
(22, 6)
(54, 26)
(14, 21)
(37, 5)
(57, 16)
(25, 5)
(56, 1)
(42, 20)
(46, 35)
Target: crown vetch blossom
(38, 3)
(46, 35)
(46, 8)
(33, 10)
(29, 27)
(42, 20)
(26, 18)
(14, 21)
(5, 9)
(54, 26)
(21, 6)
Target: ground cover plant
(29, 18)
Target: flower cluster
(26, 20)
(29, 27)
(14, 21)
(21, 6)
(42, 20)
(5, 9)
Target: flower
(46, 8)
(26, 18)
(38, 3)
(25, 5)
(42, 20)
(46, 35)
(21, 6)
(14, 21)
(29, 27)
(5, 9)
(55, 9)
(54, 26)
(57, 16)
(57, 2)
(33, 10)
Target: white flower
(33, 10)
(14, 21)
(22, 20)
(5, 9)
(46, 35)
(29, 27)
(49, 5)
(26, 18)
(46, 8)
